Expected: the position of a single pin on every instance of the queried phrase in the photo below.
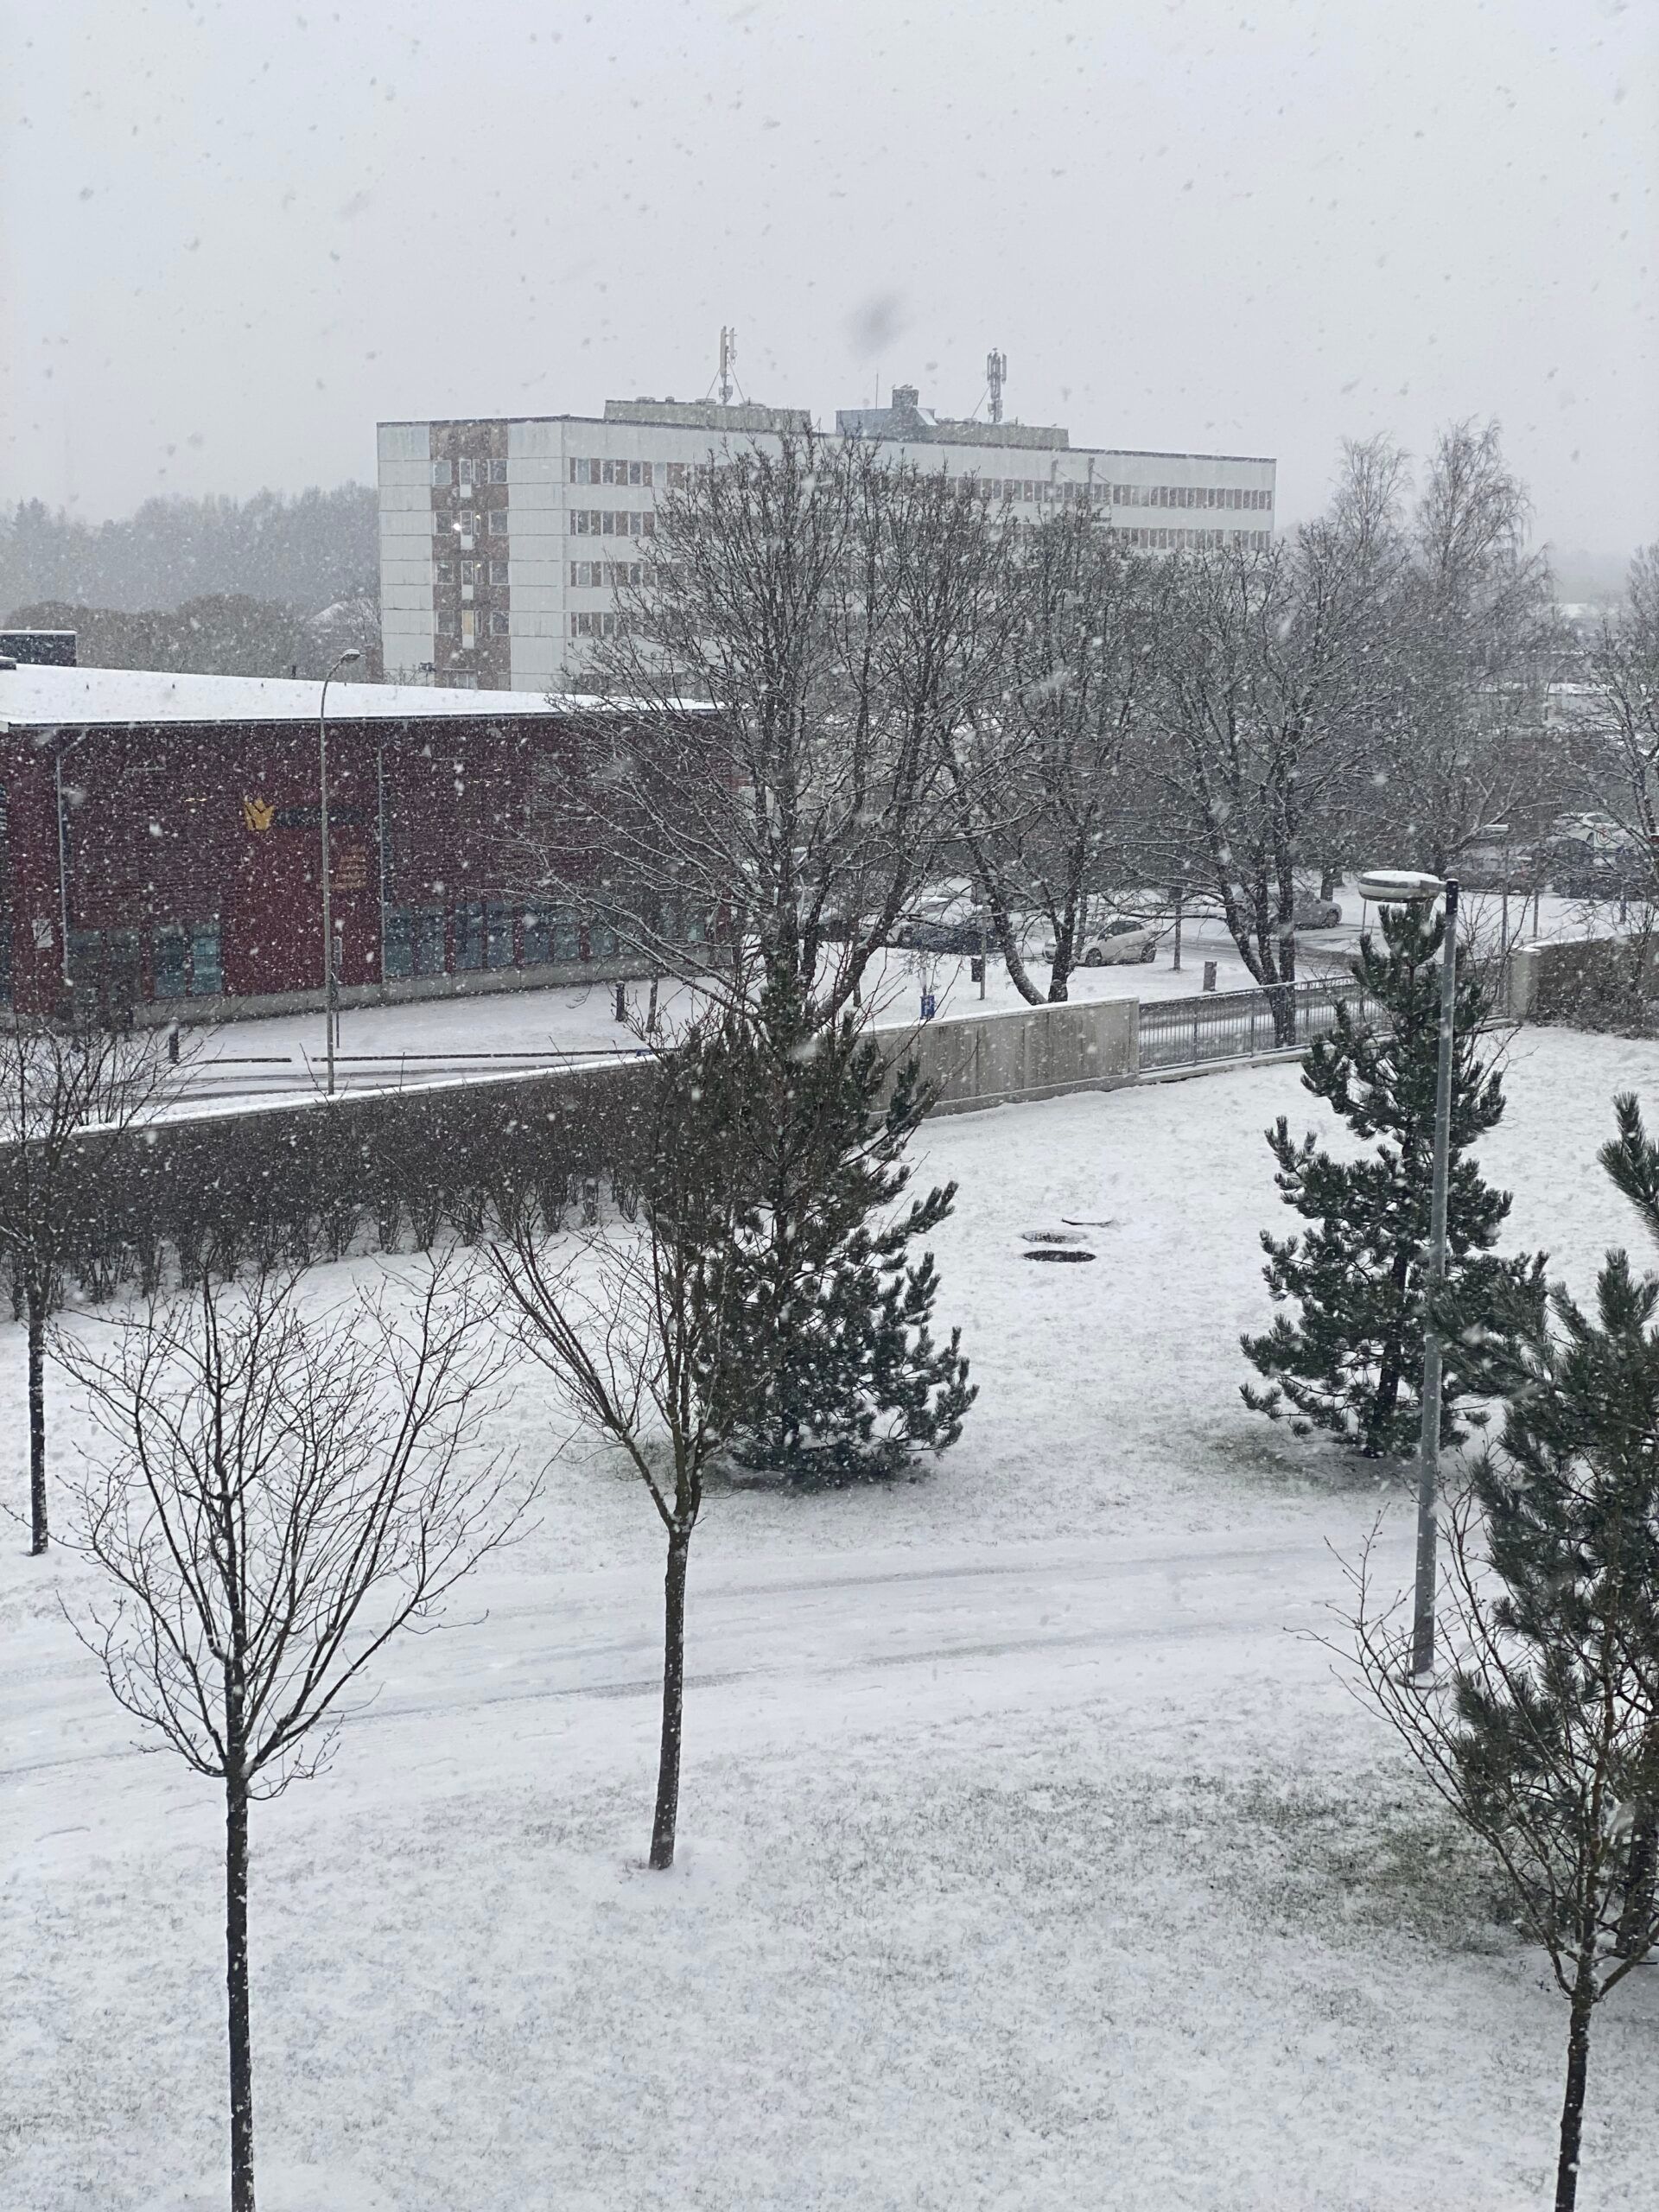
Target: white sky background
(234, 238)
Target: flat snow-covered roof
(33, 697)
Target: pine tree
(1350, 1362)
(1555, 1744)
(833, 1313)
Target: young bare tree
(1473, 645)
(71, 1091)
(274, 1495)
(1615, 719)
(1265, 697)
(634, 1321)
(813, 625)
(1043, 773)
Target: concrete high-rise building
(504, 542)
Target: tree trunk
(36, 1303)
(1578, 2063)
(668, 1766)
(235, 1991)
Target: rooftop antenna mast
(997, 370)
(728, 359)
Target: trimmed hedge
(315, 1180)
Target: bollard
(1209, 975)
(621, 1001)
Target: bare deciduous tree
(633, 1320)
(1044, 772)
(814, 625)
(69, 1091)
(1265, 696)
(1615, 713)
(274, 1495)
(1472, 647)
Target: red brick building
(161, 842)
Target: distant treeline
(219, 634)
(304, 552)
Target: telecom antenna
(727, 358)
(997, 370)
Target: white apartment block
(504, 542)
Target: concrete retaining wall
(1043, 1051)
(1598, 983)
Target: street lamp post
(329, 964)
(1391, 888)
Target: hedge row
(318, 1180)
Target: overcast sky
(234, 238)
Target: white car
(1120, 942)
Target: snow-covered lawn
(1028, 1862)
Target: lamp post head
(1390, 886)
(350, 653)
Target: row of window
(480, 934)
(1192, 541)
(446, 626)
(612, 522)
(614, 574)
(612, 472)
(473, 572)
(173, 960)
(1046, 492)
(468, 471)
(1036, 491)
(464, 520)
(587, 575)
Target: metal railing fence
(1233, 1024)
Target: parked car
(1315, 914)
(922, 934)
(1119, 943)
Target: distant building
(161, 842)
(503, 541)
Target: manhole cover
(1055, 1252)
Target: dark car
(924, 935)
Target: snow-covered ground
(282, 1053)
(1034, 1855)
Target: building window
(601, 938)
(498, 572)
(398, 959)
(446, 624)
(441, 472)
(464, 521)
(207, 976)
(498, 471)
(430, 941)
(444, 571)
(498, 934)
(469, 572)
(500, 624)
(675, 475)
(465, 474)
(533, 935)
(172, 967)
(469, 935)
(498, 522)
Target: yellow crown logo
(258, 813)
